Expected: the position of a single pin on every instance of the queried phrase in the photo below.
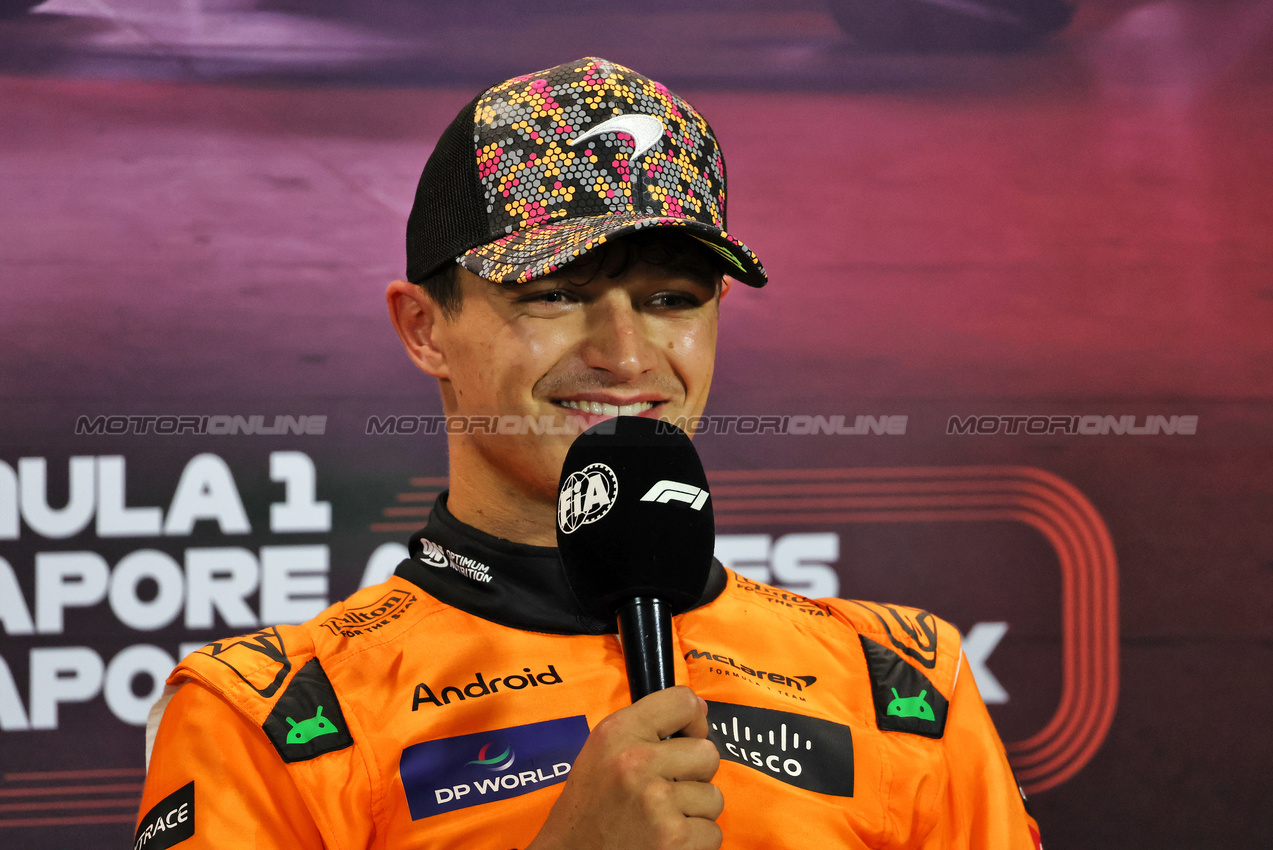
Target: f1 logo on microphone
(674, 491)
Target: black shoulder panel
(905, 699)
(307, 721)
(169, 822)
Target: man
(567, 259)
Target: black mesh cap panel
(449, 213)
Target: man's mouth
(601, 408)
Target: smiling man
(566, 261)
(630, 330)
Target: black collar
(509, 583)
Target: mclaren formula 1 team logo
(724, 665)
(646, 132)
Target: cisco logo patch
(468, 770)
(809, 753)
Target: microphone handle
(645, 629)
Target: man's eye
(551, 296)
(674, 300)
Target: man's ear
(417, 318)
(725, 283)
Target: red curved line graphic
(1040, 499)
(1038, 514)
(1098, 685)
(1077, 685)
(1102, 607)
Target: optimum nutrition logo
(809, 753)
(433, 555)
(481, 686)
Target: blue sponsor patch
(468, 770)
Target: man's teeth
(602, 409)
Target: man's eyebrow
(513, 288)
(693, 272)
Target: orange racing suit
(444, 707)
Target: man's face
(640, 343)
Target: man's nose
(618, 338)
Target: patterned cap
(541, 169)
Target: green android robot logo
(911, 706)
(311, 727)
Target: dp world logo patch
(468, 770)
(586, 496)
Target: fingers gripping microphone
(636, 534)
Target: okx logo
(468, 770)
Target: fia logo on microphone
(586, 496)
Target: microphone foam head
(634, 516)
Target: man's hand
(635, 788)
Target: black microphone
(636, 535)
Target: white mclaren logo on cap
(645, 130)
(674, 491)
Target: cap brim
(533, 252)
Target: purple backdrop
(1026, 294)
